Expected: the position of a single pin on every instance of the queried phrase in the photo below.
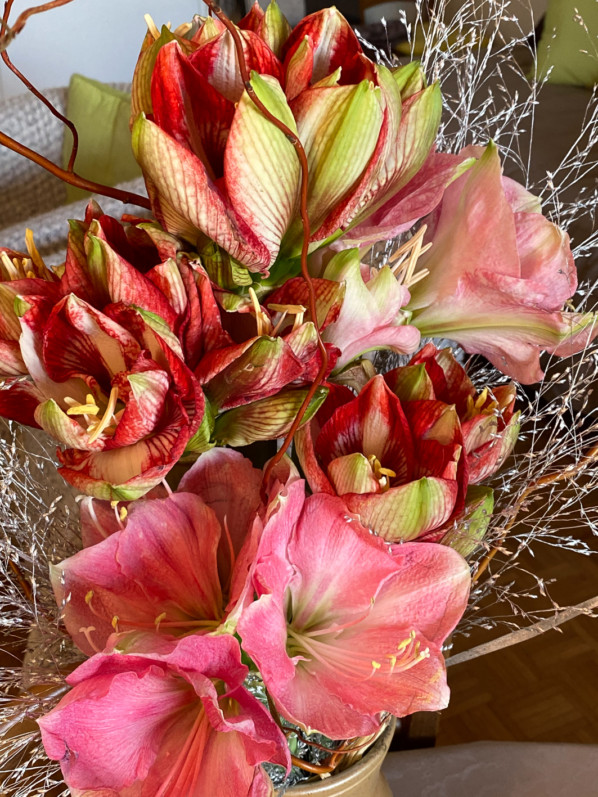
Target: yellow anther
(376, 665)
(37, 259)
(113, 504)
(107, 417)
(9, 267)
(91, 408)
(123, 512)
(159, 619)
(384, 475)
(393, 661)
(114, 623)
(293, 309)
(406, 642)
(88, 597)
(261, 319)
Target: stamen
(417, 277)
(87, 634)
(409, 253)
(107, 417)
(158, 620)
(151, 26)
(384, 475)
(89, 408)
(183, 29)
(35, 256)
(114, 623)
(261, 319)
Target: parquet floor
(543, 690)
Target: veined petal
(144, 408)
(333, 40)
(408, 511)
(339, 129)
(217, 61)
(261, 370)
(352, 474)
(261, 167)
(275, 29)
(267, 419)
(184, 183)
(370, 317)
(201, 126)
(419, 197)
(509, 334)
(299, 67)
(469, 528)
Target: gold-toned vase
(362, 779)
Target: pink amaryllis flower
(399, 467)
(345, 628)
(160, 717)
(177, 565)
(489, 425)
(500, 274)
(216, 168)
(371, 316)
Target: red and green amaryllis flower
(99, 367)
(489, 424)
(189, 728)
(345, 628)
(399, 466)
(217, 169)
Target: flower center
(32, 267)
(383, 475)
(89, 411)
(477, 407)
(351, 661)
(263, 321)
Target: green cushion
(101, 115)
(569, 46)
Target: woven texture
(29, 195)
(25, 188)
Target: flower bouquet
(277, 525)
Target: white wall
(98, 38)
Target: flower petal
(261, 168)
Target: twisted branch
(292, 137)
(523, 634)
(68, 175)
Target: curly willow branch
(7, 34)
(68, 175)
(292, 137)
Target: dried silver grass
(486, 95)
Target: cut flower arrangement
(233, 608)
